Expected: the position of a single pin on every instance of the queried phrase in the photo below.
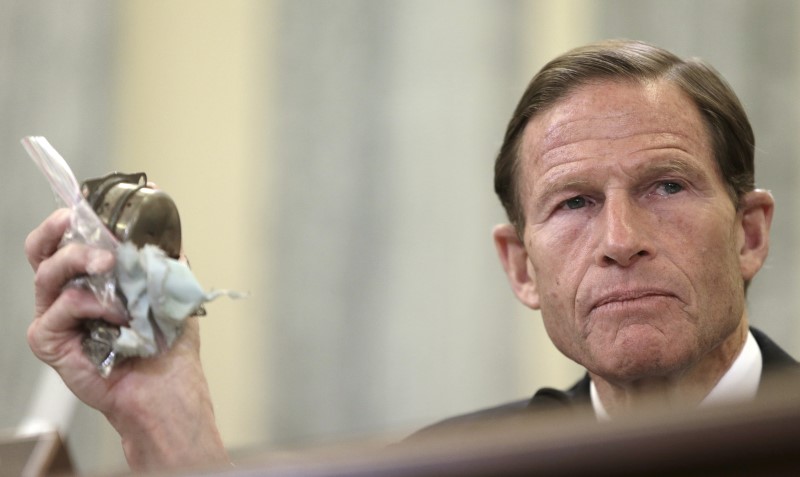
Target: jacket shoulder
(773, 356)
(545, 399)
(475, 418)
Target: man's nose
(624, 233)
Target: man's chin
(642, 365)
(639, 353)
(636, 372)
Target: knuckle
(39, 344)
(30, 247)
(42, 277)
(32, 336)
(56, 270)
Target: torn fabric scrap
(161, 293)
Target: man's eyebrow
(672, 165)
(556, 186)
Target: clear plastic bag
(85, 226)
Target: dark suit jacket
(577, 397)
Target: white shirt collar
(738, 384)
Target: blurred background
(334, 159)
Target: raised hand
(160, 406)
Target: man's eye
(670, 188)
(575, 202)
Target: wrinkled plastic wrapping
(159, 292)
(85, 226)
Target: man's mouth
(623, 297)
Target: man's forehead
(614, 110)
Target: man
(627, 175)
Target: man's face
(633, 244)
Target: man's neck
(684, 388)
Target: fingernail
(99, 261)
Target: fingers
(43, 241)
(72, 260)
(51, 334)
(54, 266)
(56, 333)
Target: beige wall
(190, 85)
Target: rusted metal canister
(135, 212)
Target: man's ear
(756, 209)
(514, 258)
